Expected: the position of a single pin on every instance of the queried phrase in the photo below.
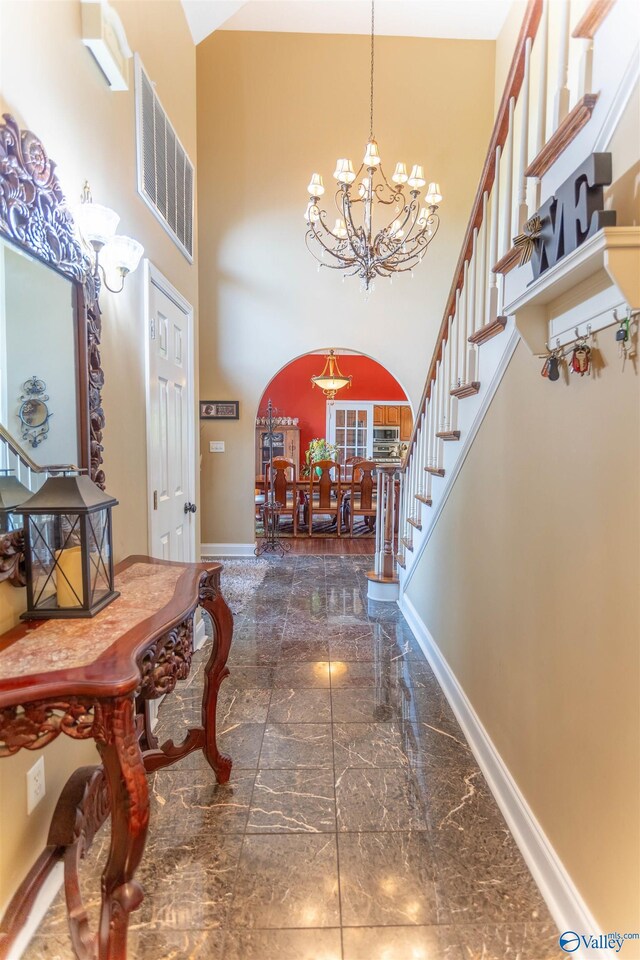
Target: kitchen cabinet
(286, 443)
(386, 415)
(406, 423)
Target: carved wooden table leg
(115, 734)
(216, 670)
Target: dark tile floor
(356, 826)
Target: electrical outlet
(35, 785)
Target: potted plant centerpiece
(319, 449)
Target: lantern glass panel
(43, 559)
(99, 555)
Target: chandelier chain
(372, 60)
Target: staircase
(538, 119)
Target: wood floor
(320, 546)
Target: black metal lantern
(12, 493)
(68, 549)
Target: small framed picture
(219, 409)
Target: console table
(91, 678)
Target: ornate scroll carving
(36, 724)
(209, 587)
(34, 214)
(166, 661)
(82, 808)
(12, 566)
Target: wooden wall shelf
(612, 251)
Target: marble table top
(53, 645)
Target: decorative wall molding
(565, 903)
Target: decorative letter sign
(574, 214)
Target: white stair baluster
(561, 102)
(506, 186)
(520, 212)
(493, 246)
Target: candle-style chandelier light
(354, 244)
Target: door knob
(190, 508)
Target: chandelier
(331, 380)
(354, 244)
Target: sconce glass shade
(312, 214)
(340, 229)
(316, 185)
(433, 197)
(400, 173)
(12, 494)
(344, 172)
(417, 180)
(97, 224)
(68, 549)
(371, 155)
(122, 254)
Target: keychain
(551, 366)
(622, 336)
(581, 358)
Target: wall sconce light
(97, 227)
(12, 493)
(68, 549)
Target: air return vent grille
(165, 172)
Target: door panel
(170, 448)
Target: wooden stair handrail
(528, 30)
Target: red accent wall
(292, 392)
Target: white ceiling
(459, 19)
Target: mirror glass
(38, 365)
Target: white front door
(170, 425)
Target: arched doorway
(372, 418)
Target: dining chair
(324, 492)
(361, 499)
(281, 476)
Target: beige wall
(273, 108)
(529, 586)
(49, 82)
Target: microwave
(386, 433)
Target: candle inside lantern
(69, 577)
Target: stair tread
(489, 331)
(466, 390)
(414, 523)
(407, 542)
(435, 471)
(448, 435)
(423, 498)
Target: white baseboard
(227, 550)
(565, 903)
(46, 895)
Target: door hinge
(152, 328)
(155, 499)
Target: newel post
(383, 580)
